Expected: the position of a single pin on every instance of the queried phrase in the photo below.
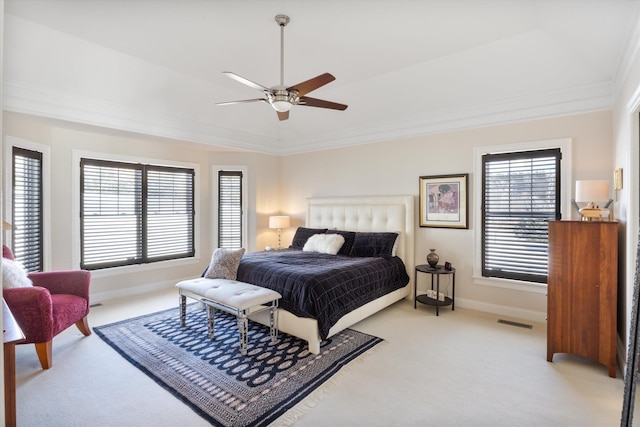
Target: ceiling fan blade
(284, 115)
(242, 80)
(314, 102)
(242, 101)
(312, 84)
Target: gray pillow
(349, 238)
(370, 244)
(224, 264)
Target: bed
(357, 214)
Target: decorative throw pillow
(349, 238)
(394, 251)
(374, 244)
(224, 264)
(324, 243)
(303, 234)
(14, 275)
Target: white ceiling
(404, 68)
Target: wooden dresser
(583, 289)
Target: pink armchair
(57, 300)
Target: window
(520, 193)
(134, 213)
(27, 213)
(230, 209)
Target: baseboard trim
(621, 355)
(99, 297)
(503, 310)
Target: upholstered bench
(234, 297)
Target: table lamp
(591, 192)
(279, 222)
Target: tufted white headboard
(368, 213)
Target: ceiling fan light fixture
(281, 99)
(281, 106)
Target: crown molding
(62, 106)
(629, 55)
(576, 100)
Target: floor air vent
(519, 325)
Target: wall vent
(519, 325)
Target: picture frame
(444, 201)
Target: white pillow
(14, 275)
(324, 243)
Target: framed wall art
(444, 201)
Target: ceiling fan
(281, 97)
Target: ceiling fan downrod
(282, 20)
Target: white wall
(394, 168)
(65, 140)
(626, 153)
(281, 185)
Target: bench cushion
(232, 293)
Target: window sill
(137, 268)
(536, 288)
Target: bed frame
(368, 213)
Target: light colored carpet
(459, 369)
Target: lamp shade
(279, 221)
(592, 191)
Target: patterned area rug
(214, 379)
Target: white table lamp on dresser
(592, 192)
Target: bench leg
(242, 329)
(211, 319)
(273, 328)
(183, 309)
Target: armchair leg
(43, 349)
(83, 325)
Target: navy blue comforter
(320, 286)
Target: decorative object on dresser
(279, 222)
(582, 290)
(444, 201)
